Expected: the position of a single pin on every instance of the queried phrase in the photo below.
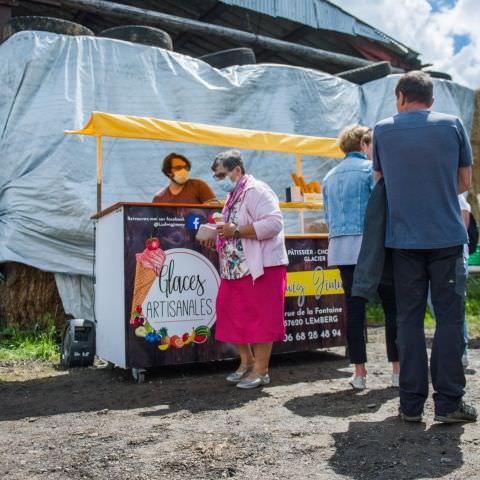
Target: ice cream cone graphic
(218, 218)
(147, 268)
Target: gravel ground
(188, 423)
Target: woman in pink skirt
(253, 259)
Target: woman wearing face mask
(181, 188)
(253, 259)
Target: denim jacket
(346, 189)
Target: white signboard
(184, 294)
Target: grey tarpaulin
(379, 100)
(52, 82)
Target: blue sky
(460, 41)
(437, 5)
(446, 33)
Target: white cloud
(429, 32)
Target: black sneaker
(464, 413)
(409, 418)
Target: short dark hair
(416, 86)
(229, 159)
(167, 162)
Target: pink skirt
(250, 312)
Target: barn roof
(314, 23)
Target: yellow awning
(103, 124)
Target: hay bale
(475, 140)
(29, 296)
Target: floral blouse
(233, 264)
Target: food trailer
(156, 285)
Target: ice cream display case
(156, 286)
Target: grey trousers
(413, 271)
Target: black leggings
(356, 318)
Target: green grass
(40, 344)
(43, 342)
(376, 318)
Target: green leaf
(163, 331)
(148, 327)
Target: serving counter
(155, 289)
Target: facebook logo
(193, 222)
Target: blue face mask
(227, 184)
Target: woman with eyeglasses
(181, 188)
(253, 259)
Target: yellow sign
(316, 282)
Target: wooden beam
(239, 37)
(5, 16)
(183, 38)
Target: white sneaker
(395, 380)
(465, 360)
(358, 383)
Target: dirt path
(188, 424)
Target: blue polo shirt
(419, 153)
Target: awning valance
(103, 124)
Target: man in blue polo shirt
(425, 158)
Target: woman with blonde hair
(346, 190)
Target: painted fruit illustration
(152, 337)
(201, 334)
(141, 331)
(176, 341)
(203, 330)
(165, 340)
(152, 243)
(148, 327)
(188, 337)
(138, 321)
(164, 347)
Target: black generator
(78, 344)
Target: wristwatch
(236, 233)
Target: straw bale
(473, 197)
(28, 296)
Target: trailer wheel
(151, 36)
(227, 58)
(138, 375)
(65, 354)
(44, 24)
(366, 74)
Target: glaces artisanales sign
(183, 297)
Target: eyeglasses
(220, 175)
(177, 168)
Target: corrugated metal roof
(318, 14)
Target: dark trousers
(356, 318)
(412, 272)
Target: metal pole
(298, 163)
(99, 174)
(180, 24)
